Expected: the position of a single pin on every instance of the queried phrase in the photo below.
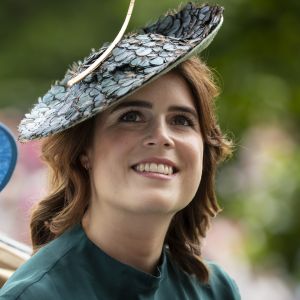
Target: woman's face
(146, 154)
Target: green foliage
(256, 55)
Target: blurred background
(256, 60)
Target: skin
(129, 214)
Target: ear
(84, 160)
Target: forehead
(170, 88)
(169, 93)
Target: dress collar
(120, 274)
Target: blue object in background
(8, 155)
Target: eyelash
(128, 112)
(190, 122)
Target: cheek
(192, 149)
(196, 163)
(111, 155)
(193, 163)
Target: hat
(137, 59)
(8, 155)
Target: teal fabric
(72, 267)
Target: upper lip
(158, 160)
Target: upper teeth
(153, 167)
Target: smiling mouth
(155, 168)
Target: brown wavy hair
(69, 185)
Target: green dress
(72, 267)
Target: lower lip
(155, 175)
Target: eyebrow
(145, 104)
(129, 103)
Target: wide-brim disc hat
(134, 61)
(8, 155)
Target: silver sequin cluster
(137, 59)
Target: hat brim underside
(138, 59)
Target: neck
(136, 240)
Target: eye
(183, 120)
(131, 116)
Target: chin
(157, 204)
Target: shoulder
(219, 287)
(221, 283)
(26, 291)
(34, 279)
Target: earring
(86, 166)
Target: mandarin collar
(118, 274)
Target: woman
(132, 177)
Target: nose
(158, 135)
